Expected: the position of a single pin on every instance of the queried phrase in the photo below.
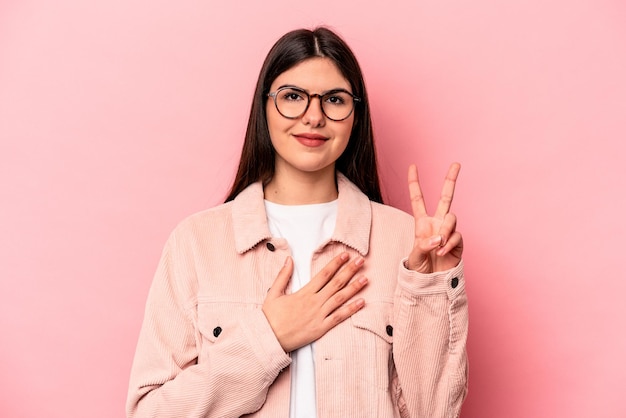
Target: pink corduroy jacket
(206, 349)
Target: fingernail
(359, 303)
(287, 260)
(344, 256)
(436, 240)
(363, 280)
(359, 261)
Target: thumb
(425, 246)
(281, 281)
(420, 254)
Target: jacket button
(454, 283)
(270, 246)
(389, 330)
(217, 331)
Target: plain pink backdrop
(120, 118)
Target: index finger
(320, 280)
(415, 193)
(447, 193)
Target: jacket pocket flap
(213, 318)
(376, 318)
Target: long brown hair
(358, 161)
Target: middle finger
(447, 227)
(341, 278)
(339, 298)
(447, 193)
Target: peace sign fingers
(447, 193)
(438, 245)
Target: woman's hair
(358, 161)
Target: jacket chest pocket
(373, 332)
(217, 319)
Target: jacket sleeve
(429, 343)
(175, 375)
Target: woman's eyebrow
(293, 86)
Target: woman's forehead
(314, 75)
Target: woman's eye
(336, 99)
(292, 96)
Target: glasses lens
(291, 103)
(337, 105)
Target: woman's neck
(302, 188)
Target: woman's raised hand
(438, 245)
(302, 317)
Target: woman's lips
(311, 140)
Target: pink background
(119, 118)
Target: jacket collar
(354, 217)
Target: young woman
(303, 295)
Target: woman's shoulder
(392, 230)
(211, 218)
(390, 214)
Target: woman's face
(310, 143)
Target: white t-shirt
(305, 227)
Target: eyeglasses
(293, 102)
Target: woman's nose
(314, 115)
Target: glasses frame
(355, 100)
